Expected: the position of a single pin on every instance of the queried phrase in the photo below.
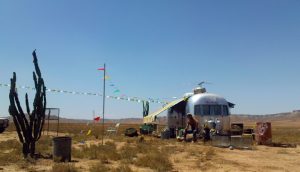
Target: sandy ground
(196, 157)
(263, 158)
(8, 136)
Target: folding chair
(112, 130)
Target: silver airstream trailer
(209, 109)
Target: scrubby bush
(64, 167)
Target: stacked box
(242, 142)
(220, 141)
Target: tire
(2, 129)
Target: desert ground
(147, 154)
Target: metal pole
(48, 121)
(103, 103)
(57, 123)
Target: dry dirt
(193, 157)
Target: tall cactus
(29, 132)
(145, 108)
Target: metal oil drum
(62, 149)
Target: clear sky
(248, 50)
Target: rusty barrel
(263, 133)
(62, 149)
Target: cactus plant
(145, 108)
(29, 132)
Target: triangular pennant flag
(89, 132)
(97, 119)
(116, 91)
(106, 77)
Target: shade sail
(151, 118)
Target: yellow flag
(106, 77)
(89, 132)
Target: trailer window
(205, 110)
(215, 110)
(202, 110)
(197, 110)
(225, 110)
(210, 110)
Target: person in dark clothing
(206, 132)
(192, 127)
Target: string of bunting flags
(123, 97)
(117, 91)
(111, 84)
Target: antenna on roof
(203, 82)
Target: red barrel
(263, 133)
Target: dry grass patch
(194, 152)
(99, 167)
(285, 135)
(155, 160)
(282, 151)
(11, 152)
(64, 167)
(103, 152)
(168, 149)
(122, 168)
(205, 159)
(44, 145)
(210, 153)
(273, 168)
(128, 153)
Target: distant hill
(292, 118)
(68, 120)
(124, 120)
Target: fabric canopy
(152, 117)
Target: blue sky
(248, 50)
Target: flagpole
(103, 103)
(94, 117)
